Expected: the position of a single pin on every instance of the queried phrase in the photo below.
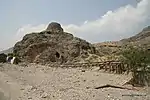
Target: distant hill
(112, 48)
(10, 50)
(141, 39)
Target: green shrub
(138, 59)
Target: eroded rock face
(46, 47)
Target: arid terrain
(37, 82)
(75, 50)
(34, 79)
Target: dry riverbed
(37, 82)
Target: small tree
(3, 58)
(17, 60)
(138, 59)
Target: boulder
(49, 47)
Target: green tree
(138, 60)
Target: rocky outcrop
(52, 45)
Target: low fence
(109, 66)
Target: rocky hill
(141, 39)
(55, 45)
(52, 45)
(110, 50)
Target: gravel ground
(37, 82)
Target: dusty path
(36, 82)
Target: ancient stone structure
(108, 66)
(52, 46)
(55, 28)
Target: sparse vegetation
(139, 61)
(3, 58)
(17, 59)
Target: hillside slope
(141, 39)
(109, 50)
(10, 50)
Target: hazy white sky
(93, 20)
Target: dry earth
(37, 82)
